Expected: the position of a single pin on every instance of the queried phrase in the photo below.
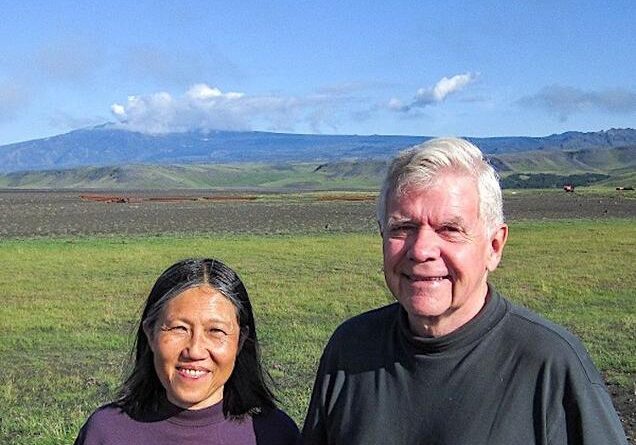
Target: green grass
(70, 305)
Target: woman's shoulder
(275, 427)
(101, 423)
(106, 415)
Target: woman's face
(195, 343)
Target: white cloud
(565, 101)
(395, 104)
(435, 94)
(206, 107)
(204, 92)
(119, 111)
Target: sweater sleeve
(314, 431)
(91, 432)
(588, 418)
(275, 428)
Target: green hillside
(533, 169)
(569, 162)
(196, 176)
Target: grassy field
(70, 305)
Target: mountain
(107, 145)
(610, 167)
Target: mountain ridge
(106, 145)
(610, 167)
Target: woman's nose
(197, 348)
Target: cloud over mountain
(565, 101)
(206, 107)
(435, 94)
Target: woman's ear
(245, 331)
(149, 334)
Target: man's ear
(149, 334)
(497, 242)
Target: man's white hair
(420, 165)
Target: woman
(197, 376)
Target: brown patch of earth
(625, 403)
(26, 213)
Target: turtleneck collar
(190, 417)
(492, 312)
(197, 417)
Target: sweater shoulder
(101, 423)
(370, 322)
(275, 427)
(107, 414)
(551, 341)
(362, 337)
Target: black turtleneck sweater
(109, 425)
(507, 377)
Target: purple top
(109, 425)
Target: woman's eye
(178, 328)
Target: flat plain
(75, 273)
(28, 213)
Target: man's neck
(449, 321)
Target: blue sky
(467, 68)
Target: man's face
(437, 255)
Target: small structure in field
(105, 198)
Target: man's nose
(424, 245)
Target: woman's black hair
(247, 390)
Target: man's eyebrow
(398, 220)
(455, 221)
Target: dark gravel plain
(29, 213)
(37, 213)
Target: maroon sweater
(109, 425)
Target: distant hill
(107, 145)
(291, 176)
(538, 168)
(567, 162)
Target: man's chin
(427, 306)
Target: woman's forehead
(202, 301)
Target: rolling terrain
(106, 157)
(611, 167)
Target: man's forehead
(463, 188)
(453, 199)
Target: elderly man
(452, 362)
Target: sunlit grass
(69, 306)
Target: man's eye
(400, 230)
